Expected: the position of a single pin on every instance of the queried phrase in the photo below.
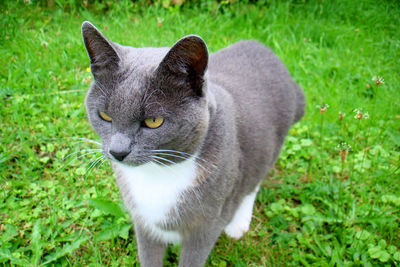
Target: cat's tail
(300, 104)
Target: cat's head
(146, 102)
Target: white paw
(238, 229)
(240, 223)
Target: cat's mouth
(163, 157)
(128, 159)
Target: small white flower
(378, 80)
(343, 147)
(360, 114)
(322, 108)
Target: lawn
(333, 198)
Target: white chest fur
(156, 190)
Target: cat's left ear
(187, 59)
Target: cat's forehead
(136, 92)
(129, 95)
(137, 71)
(143, 59)
(139, 90)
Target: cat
(190, 136)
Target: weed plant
(333, 198)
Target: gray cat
(190, 136)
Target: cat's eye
(104, 116)
(153, 122)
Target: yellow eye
(104, 116)
(153, 122)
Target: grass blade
(107, 206)
(36, 244)
(67, 249)
(6, 254)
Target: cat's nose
(119, 146)
(119, 155)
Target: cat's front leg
(197, 246)
(151, 252)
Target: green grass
(322, 205)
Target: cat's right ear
(187, 60)
(102, 53)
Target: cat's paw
(240, 222)
(237, 229)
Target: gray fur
(232, 109)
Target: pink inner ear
(192, 51)
(186, 63)
(199, 60)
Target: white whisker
(91, 151)
(94, 150)
(68, 163)
(93, 164)
(172, 155)
(161, 163)
(181, 153)
(161, 158)
(181, 157)
(185, 155)
(104, 160)
(173, 151)
(80, 156)
(84, 139)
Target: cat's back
(243, 59)
(257, 79)
(267, 101)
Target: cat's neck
(220, 139)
